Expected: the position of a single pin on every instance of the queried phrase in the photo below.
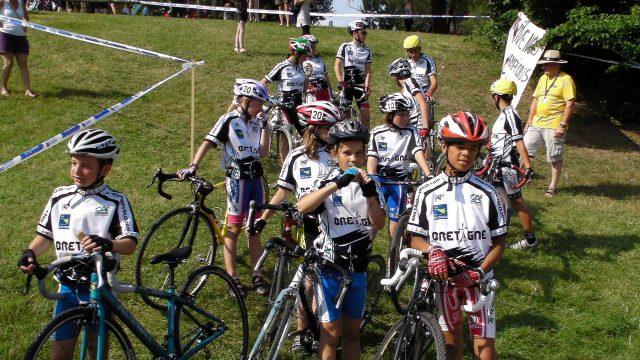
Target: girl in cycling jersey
(291, 80)
(319, 84)
(350, 208)
(400, 72)
(242, 134)
(461, 222)
(391, 148)
(302, 167)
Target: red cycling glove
(438, 262)
(424, 132)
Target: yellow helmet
(504, 87)
(413, 41)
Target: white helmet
(395, 102)
(94, 142)
(356, 25)
(251, 88)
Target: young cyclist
(243, 136)
(302, 167)
(350, 208)
(87, 216)
(291, 80)
(353, 67)
(391, 148)
(423, 67)
(460, 221)
(319, 84)
(400, 72)
(507, 146)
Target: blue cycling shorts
(329, 288)
(396, 197)
(72, 298)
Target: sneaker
(524, 245)
(297, 347)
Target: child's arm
(498, 245)
(424, 109)
(524, 154)
(422, 162)
(95, 243)
(367, 79)
(310, 202)
(377, 215)
(37, 247)
(372, 165)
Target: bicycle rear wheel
(84, 322)
(376, 271)
(418, 336)
(212, 290)
(177, 228)
(402, 239)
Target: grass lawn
(575, 297)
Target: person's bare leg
(9, 59)
(24, 73)
(455, 343)
(329, 338)
(484, 348)
(556, 170)
(350, 338)
(231, 248)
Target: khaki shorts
(536, 137)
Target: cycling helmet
(395, 102)
(463, 126)
(348, 130)
(319, 113)
(251, 88)
(401, 68)
(301, 45)
(413, 41)
(504, 87)
(311, 39)
(356, 25)
(94, 142)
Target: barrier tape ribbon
(90, 121)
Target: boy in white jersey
(350, 208)
(507, 146)
(319, 87)
(87, 216)
(460, 221)
(353, 67)
(400, 72)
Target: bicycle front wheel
(268, 342)
(281, 276)
(82, 322)
(418, 336)
(376, 271)
(177, 228)
(402, 239)
(212, 289)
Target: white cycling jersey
(394, 148)
(505, 132)
(411, 87)
(73, 213)
(240, 139)
(299, 172)
(422, 69)
(346, 230)
(356, 56)
(461, 215)
(319, 67)
(288, 76)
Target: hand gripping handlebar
(487, 294)
(405, 267)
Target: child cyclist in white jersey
(400, 72)
(242, 134)
(350, 207)
(319, 87)
(460, 221)
(302, 167)
(391, 148)
(87, 216)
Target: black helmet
(348, 130)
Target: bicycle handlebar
(490, 163)
(487, 294)
(253, 207)
(405, 267)
(203, 186)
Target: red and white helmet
(463, 126)
(319, 113)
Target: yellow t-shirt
(551, 95)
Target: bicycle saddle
(173, 257)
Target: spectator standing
(14, 45)
(255, 5)
(408, 10)
(243, 16)
(283, 5)
(551, 109)
(303, 18)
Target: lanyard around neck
(546, 82)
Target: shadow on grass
(527, 319)
(591, 129)
(63, 92)
(613, 191)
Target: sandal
(4, 92)
(550, 192)
(259, 285)
(240, 288)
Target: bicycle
(282, 138)
(177, 228)
(191, 328)
(400, 240)
(276, 330)
(418, 334)
(293, 233)
(347, 110)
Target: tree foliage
(321, 6)
(424, 7)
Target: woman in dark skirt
(14, 45)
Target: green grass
(575, 297)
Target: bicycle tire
(403, 342)
(174, 229)
(401, 240)
(267, 334)
(376, 271)
(212, 289)
(119, 346)
(281, 275)
(440, 164)
(280, 136)
(283, 327)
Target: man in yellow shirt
(549, 115)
